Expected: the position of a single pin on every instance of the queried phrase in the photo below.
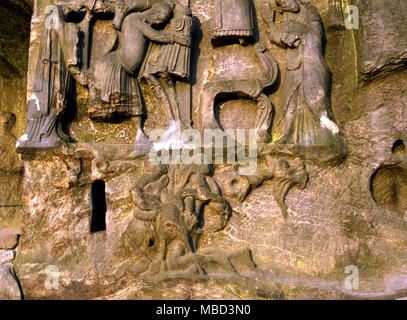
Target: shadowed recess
(389, 188)
(399, 148)
(98, 219)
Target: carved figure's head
(181, 10)
(159, 13)
(288, 5)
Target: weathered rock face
(15, 19)
(323, 213)
(382, 49)
(14, 44)
(9, 283)
(14, 47)
(8, 239)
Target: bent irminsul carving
(251, 88)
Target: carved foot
(79, 75)
(142, 144)
(24, 144)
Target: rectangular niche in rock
(98, 196)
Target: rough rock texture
(9, 285)
(382, 41)
(14, 46)
(15, 18)
(8, 239)
(351, 213)
(9, 289)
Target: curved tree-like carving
(251, 88)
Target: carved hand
(182, 39)
(290, 39)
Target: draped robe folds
(115, 92)
(174, 59)
(171, 62)
(233, 18)
(306, 84)
(52, 84)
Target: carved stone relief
(11, 170)
(251, 88)
(306, 118)
(175, 205)
(336, 18)
(226, 27)
(180, 203)
(119, 71)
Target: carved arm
(315, 35)
(164, 37)
(275, 34)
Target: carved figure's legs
(168, 86)
(141, 137)
(44, 129)
(165, 88)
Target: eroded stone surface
(8, 239)
(348, 212)
(9, 289)
(384, 49)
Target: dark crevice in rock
(98, 219)
(383, 72)
(20, 287)
(399, 147)
(389, 188)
